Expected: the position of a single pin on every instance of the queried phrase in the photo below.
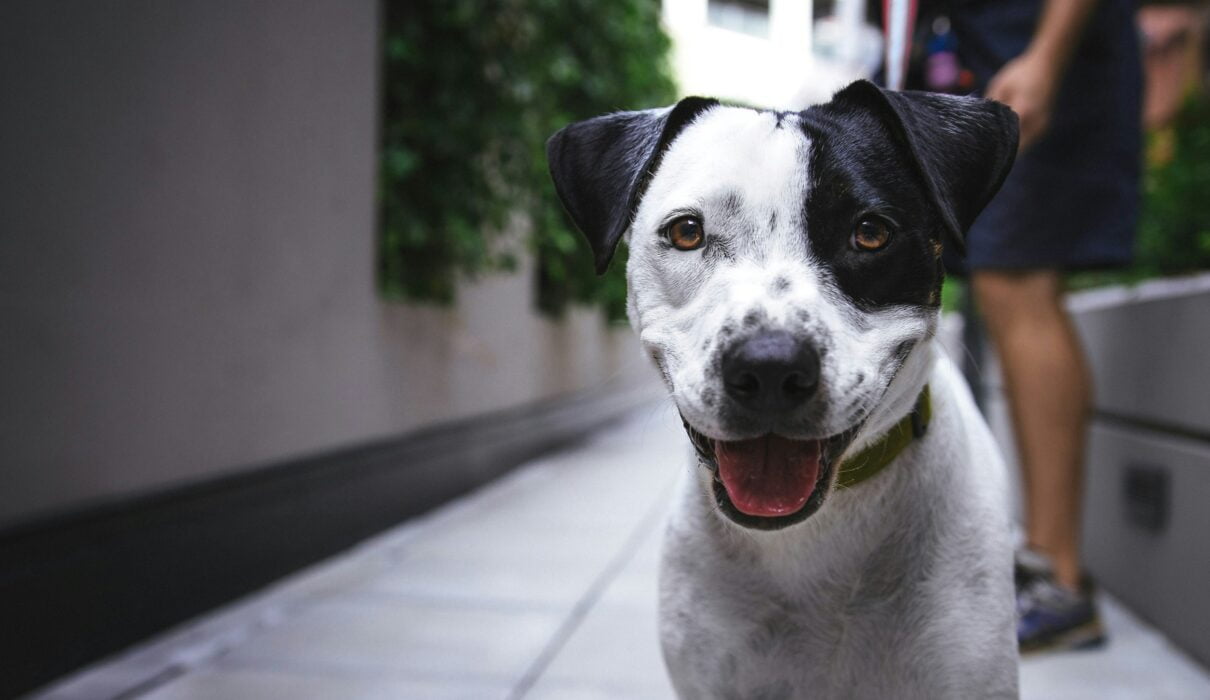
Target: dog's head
(785, 268)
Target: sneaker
(1053, 618)
(1027, 566)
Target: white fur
(896, 588)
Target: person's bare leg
(1049, 394)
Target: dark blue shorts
(1072, 200)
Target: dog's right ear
(601, 167)
(963, 147)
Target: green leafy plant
(1174, 233)
(472, 89)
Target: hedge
(472, 89)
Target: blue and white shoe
(1053, 618)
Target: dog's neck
(859, 466)
(900, 397)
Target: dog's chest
(735, 635)
(770, 651)
(856, 614)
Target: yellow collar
(874, 458)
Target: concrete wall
(187, 225)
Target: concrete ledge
(1147, 348)
(1155, 564)
(83, 585)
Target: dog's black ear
(964, 147)
(601, 167)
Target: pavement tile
(273, 685)
(452, 580)
(113, 679)
(489, 539)
(615, 649)
(590, 691)
(423, 640)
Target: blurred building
(780, 54)
(743, 50)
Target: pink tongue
(768, 476)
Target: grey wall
(187, 256)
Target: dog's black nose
(771, 372)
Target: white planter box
(1145, 541)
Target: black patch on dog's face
(601, 167)
(858, 171)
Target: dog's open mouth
(770, 476)
(769, 482)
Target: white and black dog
(846, 533)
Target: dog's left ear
(964, 147)
(601, 167)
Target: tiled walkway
(540, 586)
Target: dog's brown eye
(686, 233)
(871, 235)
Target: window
(747, 16)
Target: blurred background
(276, 277)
